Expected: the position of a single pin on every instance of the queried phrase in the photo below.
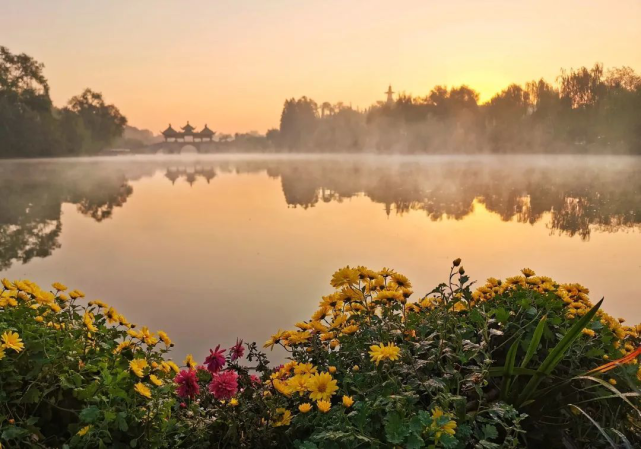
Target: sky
(232, 63)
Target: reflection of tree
(33, 194)
(574, 196)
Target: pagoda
(188, 131)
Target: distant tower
(390, 95)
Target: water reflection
(577, 196)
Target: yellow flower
(143, 390)
(2, 353)
(88, 320)
(233, 402)
(344, 277)
(305, 368)
(154, 380)
(612, 381)
(76, 294)
(448, 428)
(355, 368)
(323, 406)
(398, 280)
(298, 383)
(332, 369)
(112, 316)
(282, 387)
(165, 338)
(173, 366)
(588, 332)
(381, 352)
(122, 346)
(527, 272)
(6, 283)
(304, 408)
(39, 319)
(348, 401)
(99, 303)
(137, 366)
(284, 417)
(58, 286)
(84, 430)
(350, 329)
(148, 337)
(321, 386)
(11, 340)
(189, 361)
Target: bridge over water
(180, 147)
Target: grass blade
(596, 424)
(534, 343)
(612, 388)
(509, 368)
(556, 355)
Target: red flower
(215, 360)
(237, 351)
(254, 380)
(187, 384)
(224, 385)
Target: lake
(210, 248)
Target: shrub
(524, 361)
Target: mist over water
(247, 243)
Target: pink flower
(254, 380)
(187, 384)
(224, 385)
(237, 351)
(215, 360)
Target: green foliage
(31, 126)
(514, 363)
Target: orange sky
(231, 63)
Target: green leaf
(509, 368)
(90, 414)
(502, 315)
(414, 441)
(490, 432)
(534, 343)
(395, 428)
(556, 355)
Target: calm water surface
(214, 248)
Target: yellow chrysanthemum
(165, 338)
(154, 380)
(142, 390)
(284, 417)
(298, 383)
(88, 320)
(82, 432)
(137, 366)
(58, 286)
(381, 352)
(527, 272)
(348, 401)
(305, 408)
(189, 361)
(321, 386)
(323, 406)
(2, 353)
(344, 277)
(282, 387)
(122, 346)
(112, 316)
(11, 340)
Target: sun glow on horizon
(232, 65)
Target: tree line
(586, 110)
(30, 125)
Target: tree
(298, 122)
(104, 122)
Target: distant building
(188, 134)
(390, 95)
